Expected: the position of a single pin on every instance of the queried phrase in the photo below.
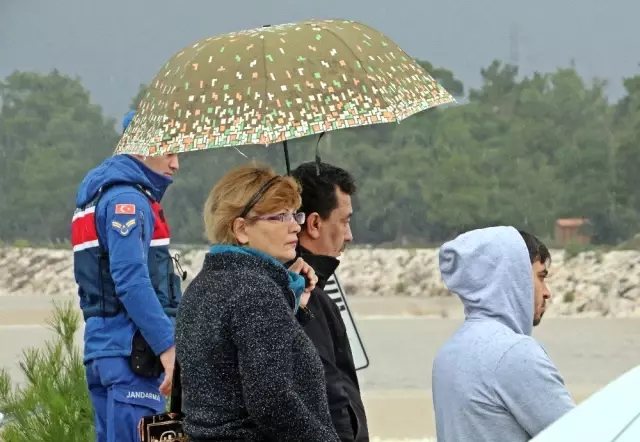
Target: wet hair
(538, 251)
(233, 193)
(319, 190)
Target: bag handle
(176, 391)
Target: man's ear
(312, 225)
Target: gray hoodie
(492, 381)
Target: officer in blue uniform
(128, 289)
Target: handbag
(166, 426)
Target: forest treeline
(521, 150)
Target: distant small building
(575, 230)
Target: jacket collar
(157, 184)
(323, 265)
(235, 262)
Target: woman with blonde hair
(249, 371)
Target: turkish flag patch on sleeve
(125, 209)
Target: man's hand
(304, 299)
(168, 359)
(302, 268)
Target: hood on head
(121, 169)
(490, 271)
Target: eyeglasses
(299, 217)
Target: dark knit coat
(249, 371)
(328, 333)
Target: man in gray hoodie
(492, 381)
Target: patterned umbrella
(277, 83)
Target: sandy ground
(401, 343)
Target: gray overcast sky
(115, 45)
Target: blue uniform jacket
(122, 222)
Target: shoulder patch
(125, 209)
(124, 227)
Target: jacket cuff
(304, 315)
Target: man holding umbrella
(128, 289)
(326, 200)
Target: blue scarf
(296, 281)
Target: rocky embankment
(589, 284)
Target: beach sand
(401, 343)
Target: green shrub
(21, 243)
(53, 402)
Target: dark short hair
(319, 190)
(538, 251)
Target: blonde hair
(232, 193)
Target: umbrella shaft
(286, 157)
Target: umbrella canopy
(610, 415)
(277, 83)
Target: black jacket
(249, 372)
(329, 335)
